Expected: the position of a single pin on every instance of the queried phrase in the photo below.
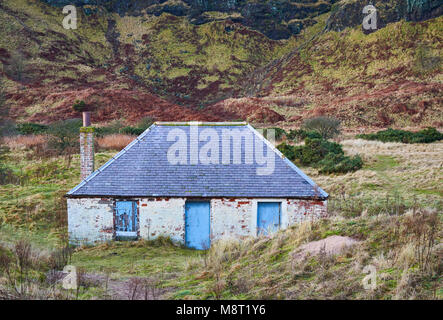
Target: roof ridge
(200, 123)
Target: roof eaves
(108, 163)
(289, 162)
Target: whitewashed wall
(91, 220)
(162, 217)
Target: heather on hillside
(178, 61)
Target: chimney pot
(86, 119)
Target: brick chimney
(86, 147)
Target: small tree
(79, 106)
(327, 127)
(63, 137)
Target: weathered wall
(301, 210)
(162, 217)
(232, 218)
(90, 220)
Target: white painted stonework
(162, 217)
(92, 219)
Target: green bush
(118, 127)
(279, 133)
(300, 135)
(338, 163)
(63, 136)
(112, 128)
(325, 155)
(145, 123)
(427, 135)
(79, 106)
(31, 128)
(315, 150)
(327, 127)
(132, 131)
(287, 150)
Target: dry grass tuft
(114, 141)
(25, 142)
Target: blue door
(197, 230)
(268, 217)
(126, 218)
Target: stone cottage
(193, 182)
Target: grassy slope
(260, 268)
(196, 64)
(389, 77)
(376, 78)
(165, 55)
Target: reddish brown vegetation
(114, 141)
(251, 109)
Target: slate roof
(143, 170)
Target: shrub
(113, 127)
(327, 127)
(63, 137)
(287, 150)
(117, 127)
(327, 156)
(427, 135)
(145, 123)
(79, 106)
(338, 163)
(31, 128)
(300, 135)
(279, 133)
(131, 131)
(315, 150)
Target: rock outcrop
(278, 19)
(350, 13)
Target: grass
(124, 259)
(260, 268)
(391, 170)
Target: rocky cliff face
(350, 13)
(278, 19)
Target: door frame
(127, 235)
(280, 213)
(186, 219)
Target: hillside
(269, 62)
